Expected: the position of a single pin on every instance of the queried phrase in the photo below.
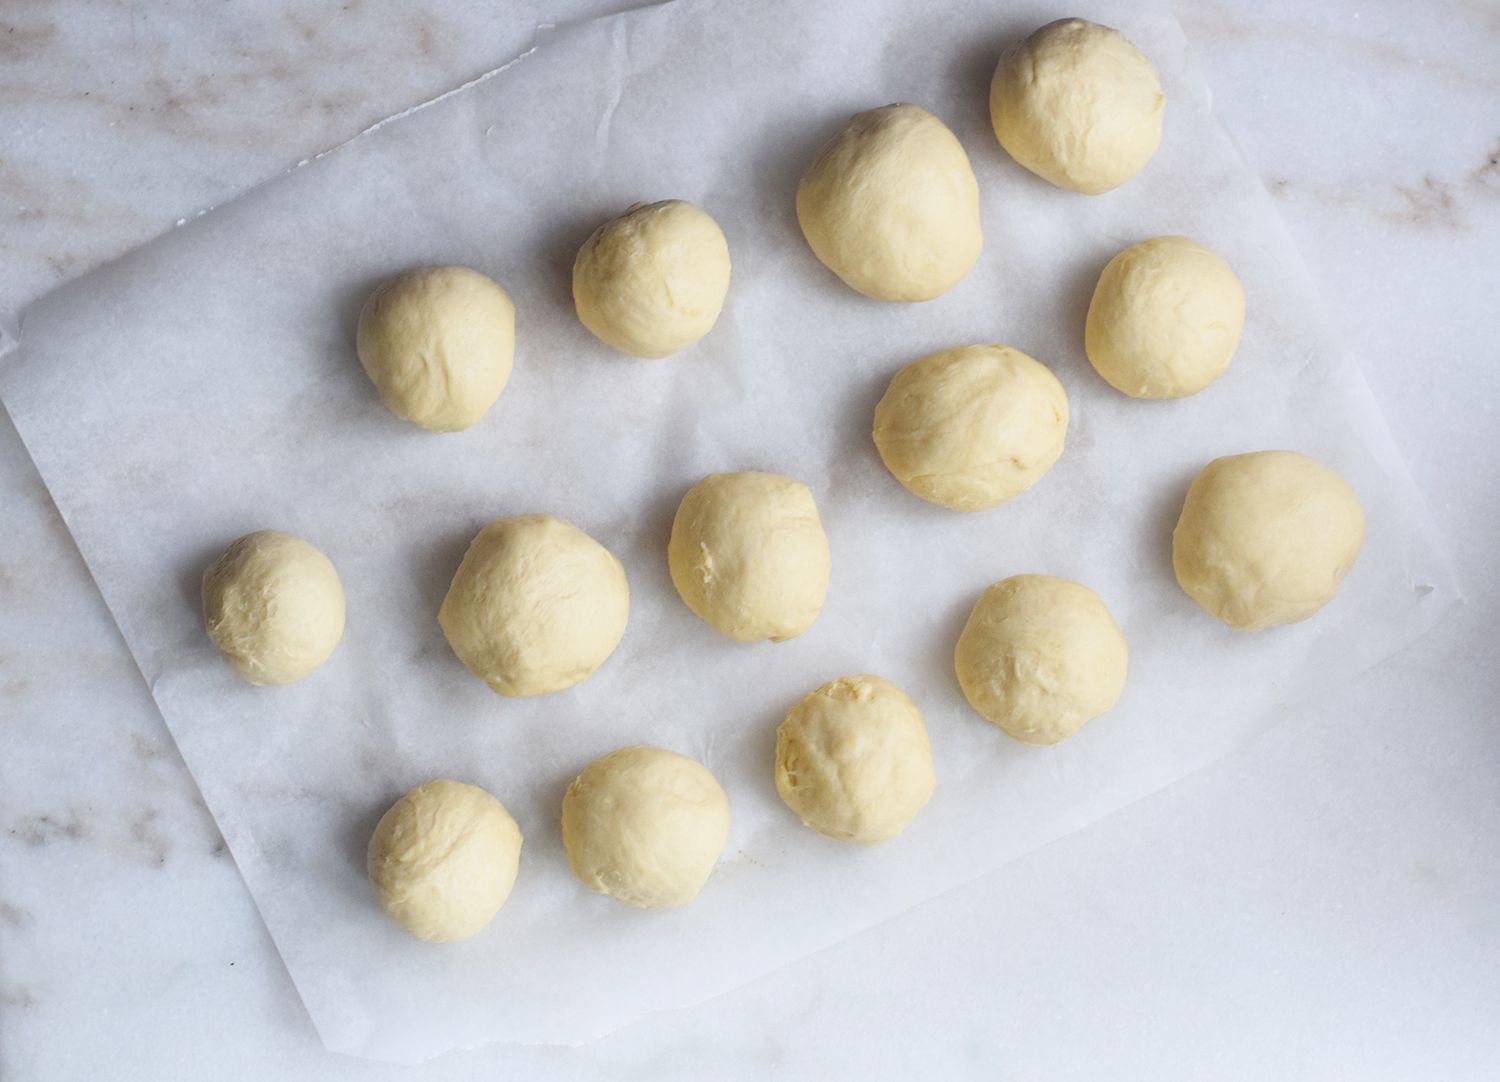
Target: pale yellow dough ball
(969, 428)
(748, 554)
(853, 760)
(652, 281)
(645, 826)
(438, 343)
(1165, 319)
(1078, 105)
(536, 605)
(443, 860)
(891, 205)
(1039, 656)
(1265, 538)
(274, 606)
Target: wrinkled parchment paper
(206, 386)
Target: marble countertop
(1325, 904)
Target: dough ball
(971, 427)
(274, 607)
(1266, 538)
(652, 281)
(852, 760)
(1165, 319)
(891, 206)
(1078, 105)
(442, 860)
(749, 556)
(536, 605)
(645, 826)
(438, 343)
(1040, 656)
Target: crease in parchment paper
(205, 385)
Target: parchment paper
(206, 386)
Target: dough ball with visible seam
(438, 343)
(652, 281)
(748, 554)
(646, 826)
(1265, 538)
(891, 206)
(853, 760)
(1078, 105)
(1165, 319)
(1039, 656)
(536, 605)
(274, 606)
(968, 428)
(443, 860)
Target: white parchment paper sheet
(206, 386)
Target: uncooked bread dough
(652, 281)
(1266, 538)
(1165, 318)
(645, 826)
(1040, 656)
(536, 605)
(1078, 105)
(749, 556)
(438, 343)
(853, 761)
(274, 607)
(971, 427)
(443, 860)
(891, 205)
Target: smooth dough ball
(438, 343)
(749, 556)
(645, 826)
(1078, 105)
(1039, 656)
(443, 859)
(652, 281)
(1165, 319)
(891, 205)
(273, 606)
(536, 605)
(1266, 538)
(852, 760)
(971, 427)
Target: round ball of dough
(891, 206)
(1165, 319)
(535, 606)
(749, 556)
(443, 859)
(1039, 656)
(1266, 538)
(971, 427)
(438, 343)
(273, 606)
(852, 760)
(1078, 105)
(652, 281)
(645, 826)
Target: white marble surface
(1324, 905)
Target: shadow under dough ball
(1078, 105)
(1265, 538)
(891, 206)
